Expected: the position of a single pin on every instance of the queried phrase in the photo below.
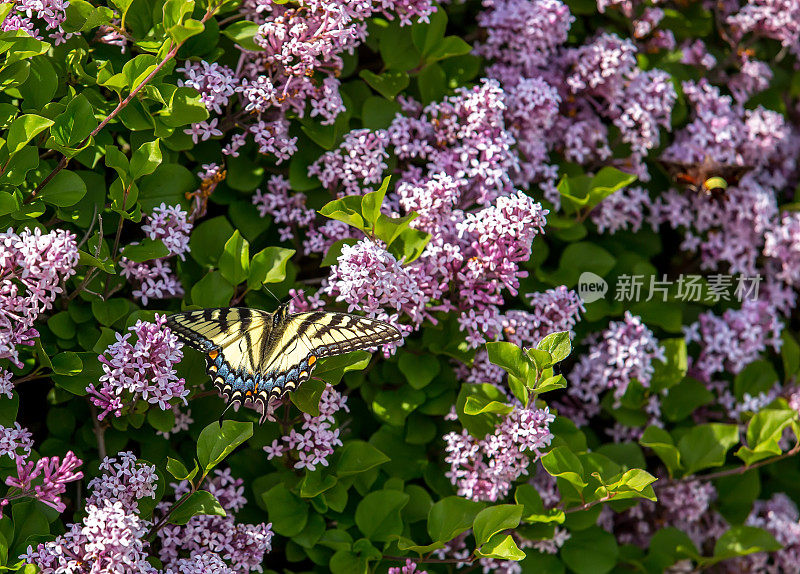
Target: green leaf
(76, 123)
(287, 512)
(183, 32)
(161, 420)
(397, 48)
(764, 431)
(167, 184)
(185, 107)
(409, 244)
(563, 463)
(242, 34)
(212, 291)
(451, 516)
(705, 446)
(684, 398)
(200, 503)
(419, 370)
(216, 442)
(24, 129)
(495, 519)
(557, 344)
(447, 48)
(590, 551)
(146, 159)
(234, 262)
(790, 355)
(378, 514)
(147, 250)
(551, 384)
(347, 210)
(477, 405)
(306, 397)
(501, 546)
(512, 359)
(331, 369)
(208, 240)
(388, 84)
(110, 311)
(315, 483)
(371, 203)
(177, 469)
(67, 363)
(21, 163)
(744, 540)
(669, 545)
(357, 457)
(65, 189)
(269, 266)
(62, 325)
(662, 444)
(533, 506)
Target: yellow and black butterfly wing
(306, 337)
(233, 342)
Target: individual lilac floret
(141, 370)
(55, 474)
(624, 352)
(32, 267)
(14, 438)
(241, 545)
(169, 224)
(486, 469)
(318, 440)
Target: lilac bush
(582, 217)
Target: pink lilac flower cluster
(31, 15)
(33, 267)
(685, 505)
(111, 537)
(154, 279)
(295, 71)
(369, 278)
(143, 370)
(6, 384)
(779, 517)
(731, 341)
(485, 469)
(14, 438)
(241, 545)
(624, 352)
(782, 243)
(124, 479)
(54, 474)
(410, 567)
(776, 19)
(356, 164)
(576, 90)
(318, 440)
(287, 209)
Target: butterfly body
(253, 356)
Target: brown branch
(99, 432)
(426, 560)
(120, 106)
(588, 505)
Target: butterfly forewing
(253, 355)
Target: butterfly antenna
(273, 295)
(225, 410)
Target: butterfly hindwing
(253, 355)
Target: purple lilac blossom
(485, 469)
(55, 474)
(141, 370)
(317, 442)
(33, 266)
(241, 545)
(624, 352)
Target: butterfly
(253, 355)
(708, 177)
